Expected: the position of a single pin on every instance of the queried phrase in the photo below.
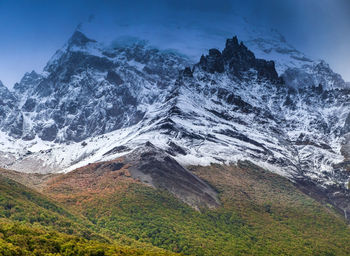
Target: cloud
(318, 27)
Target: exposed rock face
(212, 62)
(147, 164)
(7, 101)
(87, 90)
(11, 119)
(345, 151)
(79, 39)
(237, 56)
(346, 128)
(153, 166)
(187, 72)
(238, 59)
(28, 81)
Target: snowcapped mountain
(94, 103)
(86, 90)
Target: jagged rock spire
(236, 58)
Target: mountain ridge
(230, 106)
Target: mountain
(95, 103)
(87, 90)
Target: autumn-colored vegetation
(20, 239)
(100, 210)
(32, 224)
(261, 213)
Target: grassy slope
(262, 213)
(31, 224)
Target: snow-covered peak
(317, 74)
(28, 81)
(326, 76)
(5, 94)
(88, 89)
(3, 88)
(78, 42)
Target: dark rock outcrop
(346, 128)
(187, 72)
(153, 166)
(237, 59)
(79, 39)
(213, 62)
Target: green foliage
(261, 214)
(266, 216)
(31, 224)
(21, 204)
(20, 239)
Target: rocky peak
(212, 62)
(28, 80)
(7, 101)
(5, 94)
(237, 59)
(2, 86)
(326, 76)
(73, 51)
(237, 55)
(79, 39)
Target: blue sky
(32, 30)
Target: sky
(32, 30)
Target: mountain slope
(261, 213)
(148, 165)
(19, 203)
(32, 224)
